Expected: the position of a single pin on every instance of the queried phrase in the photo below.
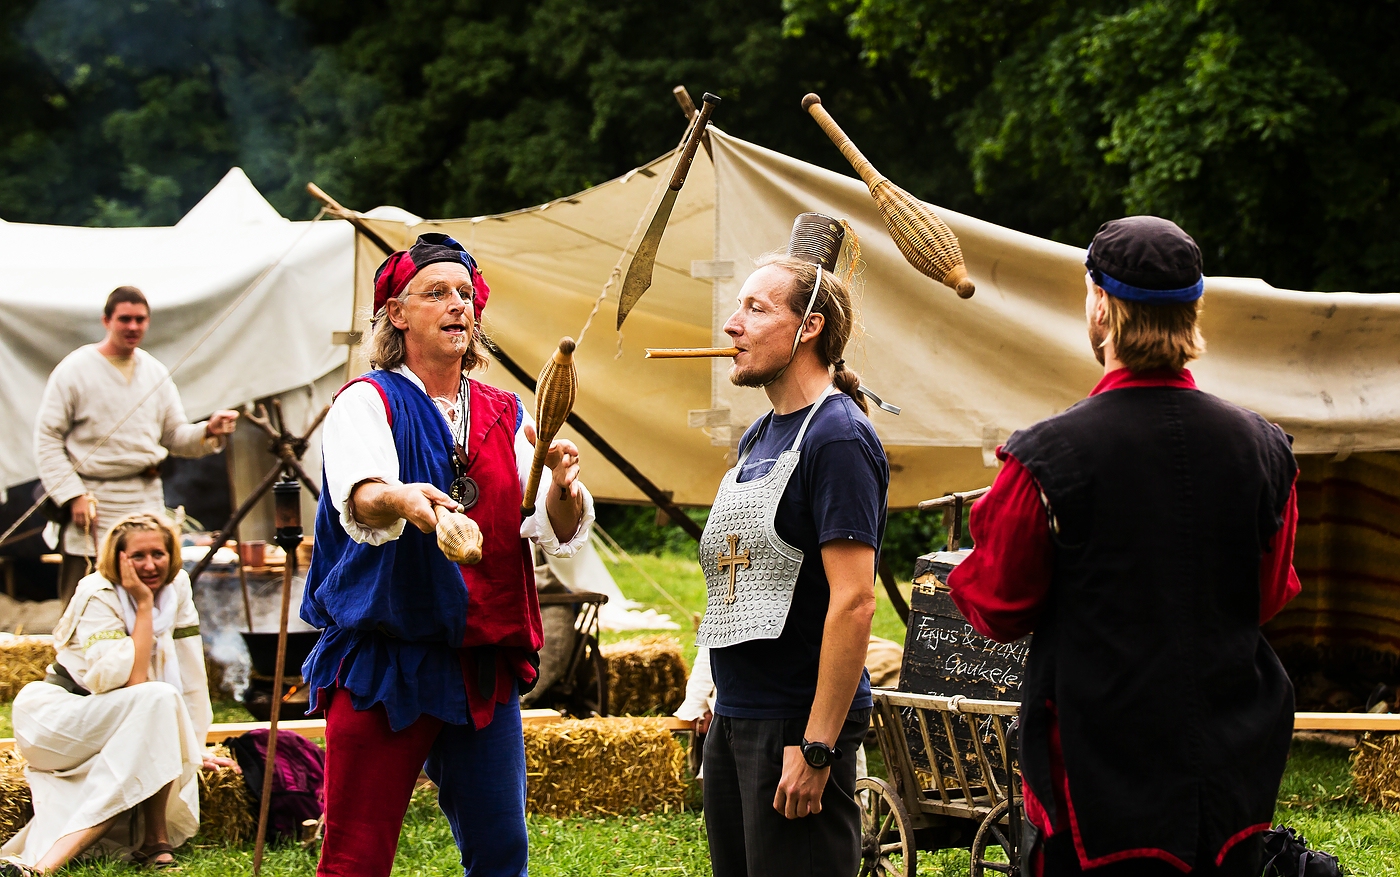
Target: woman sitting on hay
(115, 732)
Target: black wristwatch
(819, 755)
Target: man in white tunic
(93, 464)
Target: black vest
(1174, 714)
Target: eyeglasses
(436, 295)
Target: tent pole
(232, 497)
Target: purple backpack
(298, 781)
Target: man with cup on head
(102, 433)
(1143, 535)
(422, 660)
(789, 554)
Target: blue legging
(480, 777)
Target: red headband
(393, 276)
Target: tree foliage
(444, 107)
(1269, 131)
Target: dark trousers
(371, 770)
(74, 567)
(748, 838)
(1245, 859)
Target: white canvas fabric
(966, 373)
(57, 279)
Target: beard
(1097, 335)
(750, 376)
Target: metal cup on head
(816, 238)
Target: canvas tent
(278, 340)
(1324, 365)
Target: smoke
(219, 599)
(174, 92)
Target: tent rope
(612, 543)
(170, 373)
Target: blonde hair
(115, 542)
(838, 315)
(388, 349)
(1151, 335)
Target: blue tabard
(393, 615)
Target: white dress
(92, 757)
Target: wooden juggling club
(554, 399)
(924, 239)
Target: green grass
(680, 576)
(1315, 797)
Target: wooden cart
(967, 794)
(951, 760)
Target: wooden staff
(286, 496)
(689, 352)
(554, 399)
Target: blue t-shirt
(838, 491)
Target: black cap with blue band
(1146, 259)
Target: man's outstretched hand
(378, 505)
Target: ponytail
(848, 382)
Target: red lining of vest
(383, 397)
(1057, 767)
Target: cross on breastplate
(733, 560)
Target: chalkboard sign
(943, 654)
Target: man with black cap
(1143, 536)
(421, 661)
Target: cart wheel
(994, 848)
(886, 839)
(591, 683)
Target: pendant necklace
(463, 489)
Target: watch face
(816, 756)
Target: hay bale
(603, 767)
(646, 676)
(1375, 770)
(23, 659)
(16, 806)
(225, 804)
(225, 807)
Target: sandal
(146, 856)
(10, 869)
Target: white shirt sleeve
(357, 446)
(699, 689)
(537, 526)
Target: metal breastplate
(750, 573)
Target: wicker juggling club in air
(554, 399)
(458, 536)
(923, 238)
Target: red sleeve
(1001, 587)
(1278, 582)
